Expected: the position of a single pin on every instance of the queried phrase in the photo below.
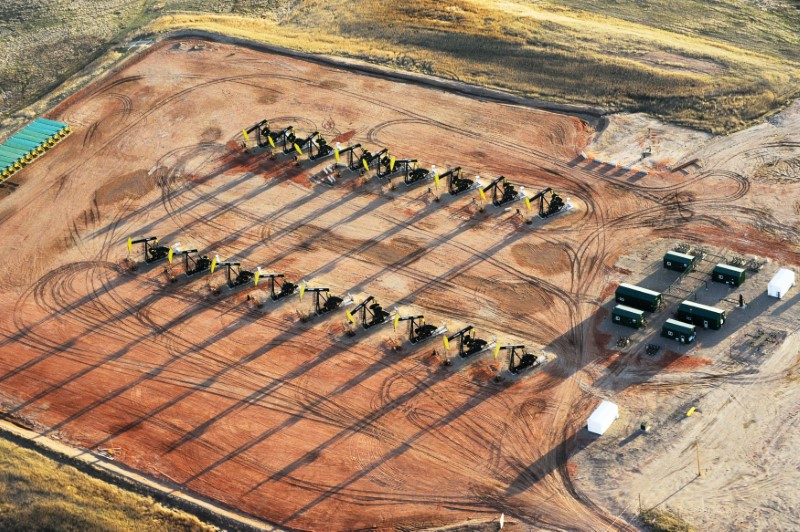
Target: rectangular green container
(701, 315)
(684, 333)
(637, 297)
(680, 262)
(627, 316)
(730, 275)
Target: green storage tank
(725, 273)
(684, 333)
(701, 315)
(627, 316)
(637, 297)
(680, 262)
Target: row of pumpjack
(357, 158)
(369, 313)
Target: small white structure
(602, 417)
(781, 283)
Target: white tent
(602, 417)
(781, 283)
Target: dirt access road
(294, 421)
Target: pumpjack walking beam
(193, 266)
(324, 301)
(235, 275)
(503, 191)
(370, 315)
(279, 287)
(519, 358)
(548, 206)
(300, 144)
(457, 183)
(468, 343)
(418, 330)
(367, 159)
(319, 148)
(353, 160)
(265, 136)
(152, 251)
(389, 165)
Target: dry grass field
(38, 493)
(715, 67)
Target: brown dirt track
(295, 422)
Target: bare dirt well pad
(293, 421)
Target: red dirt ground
(295, 422)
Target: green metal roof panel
(637, 290)
(33, 133)
(728, 269)
(15, 152)
(45, 127)
(16, 141)
(680, 326)
(53, 122)
(628, 312)
(698, 306)
(681, 257)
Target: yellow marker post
(350, 317)
(436, 180)
(130, 245)
(336, 155)
(446, 342)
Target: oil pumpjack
(548, 206)
(324, 301)
(369, 312)
(503, 191)
(193, 266)
(367, 159)
(468, 343)
(265, 136)
(152, 251)
(235, 275)
(319, 148)
(457, 183)
(418, 330)
(279, 287)
(519, 358)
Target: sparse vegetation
(714, 68)
(660, 520)
(37, 493)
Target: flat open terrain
(296, 422)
